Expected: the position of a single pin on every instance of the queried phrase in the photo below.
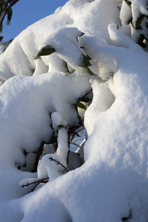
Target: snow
(138, 8)
(38, 102)
(24, 105)
(58, 121)
(125, 13)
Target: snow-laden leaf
(85, 61)
(47, 50)
(9, 16)
(81, 105)
(139, 21)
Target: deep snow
(40, 94)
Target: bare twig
(58, 163)
(74, 144)
(74, 131)
(45, 180)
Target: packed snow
(86, 49)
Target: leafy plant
(47, 50)
(6, 9)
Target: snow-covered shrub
(81, 71)
(135, 13)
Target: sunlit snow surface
(112, 183)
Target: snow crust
(38, 100)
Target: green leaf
(139, 21)
(9, 16)
(2, 6)
(60, 126)
(1, 28)
(82, 33)
(65, 65)
(47, 50)
(1, 37)
(89, 72)
(129, 21)
(81, 105)
(85, 61)
(128, 2)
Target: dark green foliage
(82, 33)
(47, 50)
(139, 21)
(81, 105)
(66, 70)
(129, 21)
(1, 37)
(85, 61)
(128, 2)
(1, 27)
(6, 9)
(9, 15)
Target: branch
(58, 163)
(74, 143)
(45, 180)
(12, 3)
